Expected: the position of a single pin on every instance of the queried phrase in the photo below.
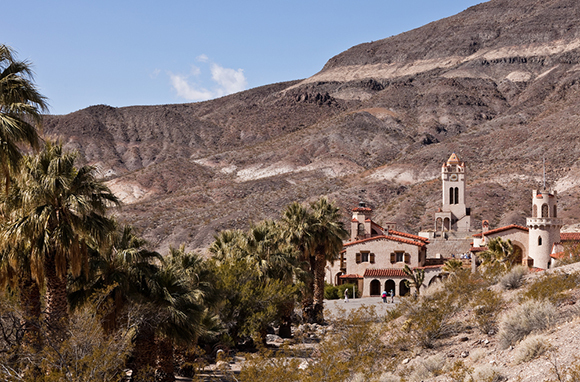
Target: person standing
(384, 296)
(392, 296)
(346, 295)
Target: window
(545, 211)
(361, 229)
(456, 195)
(535, 211)
(451, 193)
(364, 257)
(400, 256)
(539, 240)
(555, 212)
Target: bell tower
(544, 226)
(454, 215)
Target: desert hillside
(498, 84)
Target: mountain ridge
(373, 124)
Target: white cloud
(227, 81)
(188, 91)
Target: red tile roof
(378, 226)
(558, 255)
(362, 209)
(385, 237)
(408, 235)
(351, 276)
(570, 236)
(354, 220)
(501, 229)
(384, 273)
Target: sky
(125, 52)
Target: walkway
(333, 306)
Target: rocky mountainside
(498, 84)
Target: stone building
(374, 257)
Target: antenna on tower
(544, 166)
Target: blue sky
(124, 53)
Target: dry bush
(530, 316)
(486, 305)
(514, 278)
(485, 373)
(427, 368)
(553, 286)
(352, 350)
(530, 348)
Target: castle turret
(454, 215)
(544, 227)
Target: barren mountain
(498, 84)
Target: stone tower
(544, 227)
(454, 215)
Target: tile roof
(378, 226)
(385, 237)
(384, 273)
(558, 255)
(351, 276)
(501, 229)
(453, 159)
(570, 236)
(408, 235)
(362, 209)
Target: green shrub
(530, 316)
(350, 287)
(514, 278)
(330, 292)
(553, 287)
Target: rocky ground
(482, 354)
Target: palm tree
(329, 234)
(179, 295)
(417, 277)
(21, 106)
(499, 253)
(62, 215)
(297, 224)
(119, 271)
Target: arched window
(545, 210)
(456, 195)
(535, 211)
(539, 240)
(555, 212)
(451, 195)
(361, 229)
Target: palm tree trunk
(318, 303)
(165, 349)
(57, 317)
(30, 303)
(308, 298)
(145, 350)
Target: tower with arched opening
(454, 215)
(544, 227)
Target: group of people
(386, 296)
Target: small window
(535, 211)
(364, 257)
(400, 256)
(555, 211)
(545, 211)
(539, 240)
(361, 229)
